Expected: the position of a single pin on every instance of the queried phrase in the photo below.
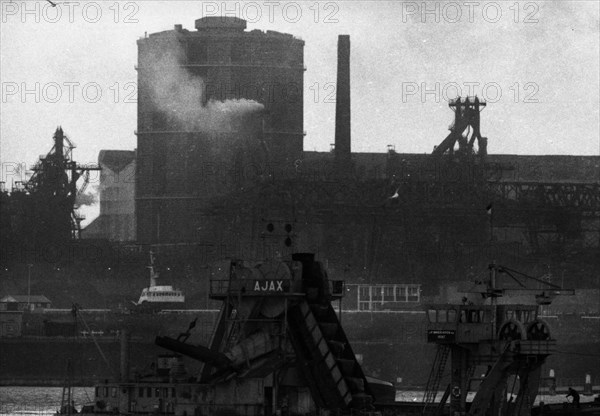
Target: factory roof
(25, 299)
(525, 168)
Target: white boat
(158, 297)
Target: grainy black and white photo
(300, 208)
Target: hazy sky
(539, 62)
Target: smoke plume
(86, 198)
(180, 95)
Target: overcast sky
(536, 62)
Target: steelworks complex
(220, 161)
(220, 172)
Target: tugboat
(158, 297)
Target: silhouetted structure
(116, 221)
(42, 211)
(203, 98)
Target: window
(441, 316)
(431, 315)
(487, 317)
(451, 315)
(97, 391)
(141, 392)
(364, 292)
(173, 392)
(401, 293)
(476, 316)
(388, 294)
(105, 392)
(364, 298)
(413, 293)
(376, 293)
(157, 392)
(113, 392)
(165, 392)
(148, 391)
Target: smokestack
(342, 105)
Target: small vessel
(146, 391)
(67, 402)
(159, 297)
(149, 392)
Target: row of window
(524, 316)
(104, 391)
(162, 392)
(476, 315)
(162, 294)
(157, 392)
(371, 295)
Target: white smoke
(86, 198)
(179, 95)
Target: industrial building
(203, 98)
(116, 221)
(220, 163)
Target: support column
(459, 379)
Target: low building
(24, 302)
(11, 323)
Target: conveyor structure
(278, 346)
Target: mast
(66, 399)
(153, 273)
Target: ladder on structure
(437, 371)
(326, 358)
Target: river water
(45, 401)
(39, 400)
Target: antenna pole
(493, 282)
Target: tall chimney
(342, 105)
